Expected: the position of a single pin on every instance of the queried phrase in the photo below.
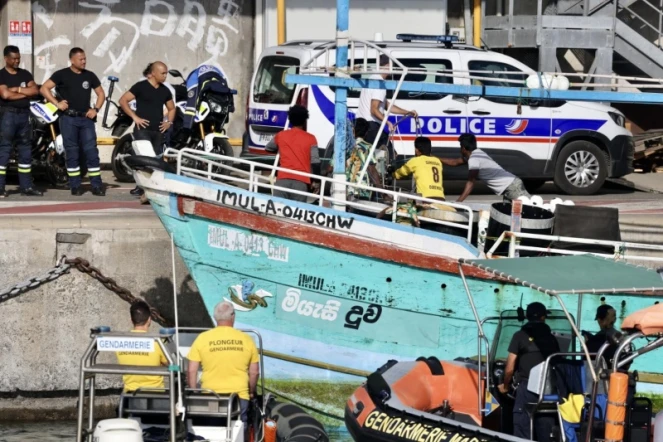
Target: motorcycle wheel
(122, 147)
(56, 170)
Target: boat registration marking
(248, 243)
(270, 207)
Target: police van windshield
(270, 86)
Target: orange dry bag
(270, 430)
(615, 418)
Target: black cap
(536, 310)
(602, 311)
(384, 60)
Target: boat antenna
(180, 396)
(520, 310)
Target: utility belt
(14, 110)
(74, 113)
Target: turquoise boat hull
(331, 304)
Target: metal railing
(655, 11)
(620, 247)
(218, 168)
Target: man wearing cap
(528, 348)
(373, 104)
(606, 316)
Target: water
(60, 431)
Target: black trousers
(372, 134)
(543, 424)
(153, 136)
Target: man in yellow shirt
(140, 317)
(229, 358)
(427, 170)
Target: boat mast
(341, 103)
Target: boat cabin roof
(576, 274)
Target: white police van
(576, 144)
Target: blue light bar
(423, 37)
(484, 91)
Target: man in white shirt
(483, 167)
(372, 106)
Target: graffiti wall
(121, 36)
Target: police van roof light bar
(448, 40)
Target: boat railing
(620, 247)
(102, 341)
(220, 168)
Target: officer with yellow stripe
(75, 85)
(16, 88)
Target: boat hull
(332, 303)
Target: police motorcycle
(48, 152)
(214, 105)
(120, 128)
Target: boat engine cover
(118, 430)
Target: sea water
(66, 431)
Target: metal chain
(60, 269)
(83, 266)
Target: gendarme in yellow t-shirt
(427, 174)
(225, 354)
(133, 382)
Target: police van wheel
(581, 168)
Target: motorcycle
(208, 135)
(48, 152)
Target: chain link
(83, 266)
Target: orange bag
(615, 418)
(270, 430)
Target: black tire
(122, 147)
(532, 185)
(223, 147)
(245, 144)
(56, 169)
(581, 169)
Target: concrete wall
(121, 36)
(45, 331)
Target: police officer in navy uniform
(530, 346)
(74, 85)
(16, 88)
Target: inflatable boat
(419, 401)
(589, 396)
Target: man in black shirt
(16, 88)
(151, 95)
(74, 85)
(529, 347)
(606, 316)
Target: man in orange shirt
(298, 150)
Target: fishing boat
(334, 292)
(335, 284)
(429, 400)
